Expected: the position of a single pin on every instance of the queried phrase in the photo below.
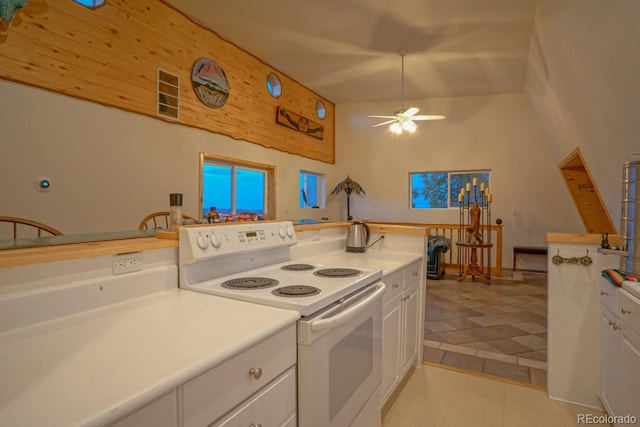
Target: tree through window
(433, 190)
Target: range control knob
(281, 232)
(215, 240)
(289, 231)
(202, 241)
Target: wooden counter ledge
(41, 254)
(375, 227)
(584, 238)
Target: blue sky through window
(217, 189)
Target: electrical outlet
(127, 263)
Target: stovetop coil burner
(297, 267)
(250, 283)
(296, 291)
(337, 272)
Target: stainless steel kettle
(358, 237)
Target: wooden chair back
(158, 220)
(29, 227)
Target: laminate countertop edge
(580, 238)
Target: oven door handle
(350, 313)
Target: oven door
(340, 360)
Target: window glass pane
(303, 191)
(440, 189)
(429, 190)
(216, 188)
(460, 180)
(312, 190)
(250, 191)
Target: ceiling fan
(403, 120)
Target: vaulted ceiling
(347, 50)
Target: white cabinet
(162, 412)
(610, 342)
(629, 360)
(271, 406)
(620, 328)
(257, 386)
(400, 340)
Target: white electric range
(340, 330)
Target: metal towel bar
(583, 260)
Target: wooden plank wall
(110, 55)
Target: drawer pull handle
(255, 425)
(610, 323)
(395, 285)
(616, 327)
(625, 310)
(603, 293)
(256, 373)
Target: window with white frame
(312, 189)
(434, 190)
(236, 186)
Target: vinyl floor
(437, 397)
(498, 330)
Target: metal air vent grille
(168, 94)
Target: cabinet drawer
(412, 273)
(629, 310)
(272, 406)
(210, 395)
(394, 283)
(608, 295)
(162, 412)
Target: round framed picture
(210, 83)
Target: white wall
(498, 133)
(581, 91)
(109, 168)
(583, 84)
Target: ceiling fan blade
(410, 112)
(383, 123)
(428, 117)
(384, 117)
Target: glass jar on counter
(213, 216)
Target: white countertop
(93, 367)
(632, 287)
(388, 262)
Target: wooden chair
(158, 220)
(32, 226)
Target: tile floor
(437, 397)
(498, 329)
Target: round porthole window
(273, 85)
(321, 111)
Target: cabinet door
(410, 321)
(608, 364)
(391, 333)
(629, 384)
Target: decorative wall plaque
(210, 83)
(297, 122)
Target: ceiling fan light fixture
(409, 126)
(403, 119)
(396, 128)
